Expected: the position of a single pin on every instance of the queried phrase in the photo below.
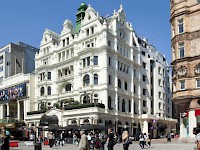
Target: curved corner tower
(185, 43)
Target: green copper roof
(80, 16)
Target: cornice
(185, 59)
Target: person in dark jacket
(110, 139)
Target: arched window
(109, 103)
(86, 80)
(68, 87)
(86, 99)
(42, 91)
(74, 122)
(125, 86)
(123, 106)
(86, 121)
(95, 79)
(49, 90)
(119, 83)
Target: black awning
(48, 120)
(93, 127)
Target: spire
(80, 16)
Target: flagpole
(15, 65)
(22, 64)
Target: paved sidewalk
(134, 146)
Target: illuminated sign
(13, 93)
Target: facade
(15, 59)
(16, 98)
(186, 63)
(96, 65)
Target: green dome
(83, 6)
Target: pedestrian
(125, 140)
(83, 144)
(149, 140)
(141, 140)
(196, 132)
(145, 139)
(110, 140)
(97, 143)
(75, 139)
(50, 138)
(5, 135)
(103, 138)
(61, 140)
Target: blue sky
(26, 20)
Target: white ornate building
(100, 61)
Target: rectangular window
(109, 43)
(63, 43)
(49, 75)
(109, 61)
(180, 26)
(1, 59)
(87, 32)
(159, 94)
(181, 50)
(143, 53)
(88, 61)
(95, 60)
(144, 65)
(134, 90)
(159, 82)
(1, 68)
(68, 41)
(1, 79)
(144, 91)
(144, 103)
(198, 82)
(92, 30)
(144, 78)
(83, 62)
(159, 70)
(159, 106)
(182, 84)
(164, 96)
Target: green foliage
(79, 106)
(36, 112)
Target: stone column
(116, 102)
(1, 111)
(8, 110)
(145, 127)
(18, 110)
(25, 108)
(192, 122)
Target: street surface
(156, 145)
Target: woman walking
(141, 140)
(125, 140)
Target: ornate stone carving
(186, 36)
(197, 69)
(182, 71)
